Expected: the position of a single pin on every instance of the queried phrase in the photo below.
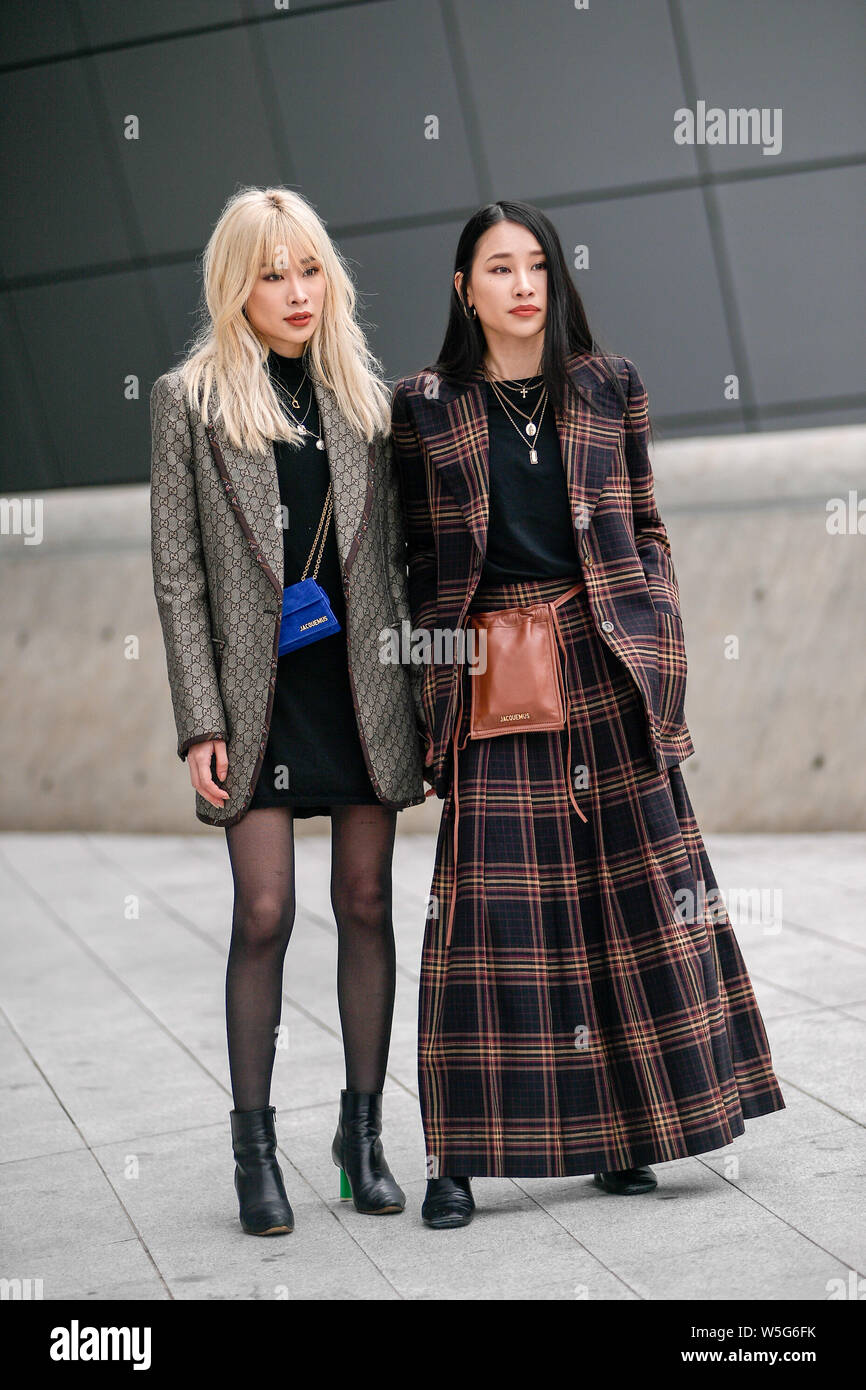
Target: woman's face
(285, 303)
(508, 282)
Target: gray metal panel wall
(703, 260)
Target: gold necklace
(530, 427)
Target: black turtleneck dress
(313, 758)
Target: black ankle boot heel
(365, 1177)
(626, 1182)
(264, 1206)
(448, 1203)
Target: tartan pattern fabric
(217, 557)
(439, 433)
(593, 1010)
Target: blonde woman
(271, 469)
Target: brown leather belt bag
(522, 688)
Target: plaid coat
(217, 555)
(439, 434)
(581, 1006)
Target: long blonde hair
(255, 228)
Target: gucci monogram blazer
(217, 555)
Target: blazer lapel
(351, 464)
(461, 452)
(253, 486)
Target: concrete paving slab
(63, 1223)
(114, 1037)
(824, 1052)
(34, 1121)
(184, 1204)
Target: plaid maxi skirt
(580, 1019)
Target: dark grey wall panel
(191, 96)
(23, 407)
(177, 290)
(573, 99)
(354, 86)
(795, 248)
(703, 261)
(85, 338)
(807, 58)
(109, 22)
(406, 282)
(33, 29)
(266, 9)
(651, 294)
(56, 174)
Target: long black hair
(566, 327)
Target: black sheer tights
(261, 853)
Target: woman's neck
(514, 360)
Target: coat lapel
(461, 451)
(253, 486)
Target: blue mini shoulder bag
(307, 613)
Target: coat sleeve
(650, 535)
(415, 502)
(417, 525)
(396, 562)
(179, 580)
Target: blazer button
(607, 625)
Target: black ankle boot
(448, 1202)
(264, 1206)
(626, 1182)
(357, 1151)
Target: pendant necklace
(283, 391)
(530, 428)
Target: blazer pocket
(672, 671)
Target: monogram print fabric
(216, 548)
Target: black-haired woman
(584, 1005)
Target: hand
(199, 760)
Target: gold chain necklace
(283, 391)
(530, 428)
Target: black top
(304, 475)
(530, 534)
(313, 743)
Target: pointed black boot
(264, 1206)
(365, 1177)
(626, 1182)
(448, 1203)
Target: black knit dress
(313, 758)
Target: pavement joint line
(137, 1235)
(330, 930)
(97, 850)
(553, 1217)
(819, 1100)
(338, 1217)
(791, 1227)
(158, 1133)
(823, 936)
(328, 925)
(127, 990)
(186, 924)
(814, 1005)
